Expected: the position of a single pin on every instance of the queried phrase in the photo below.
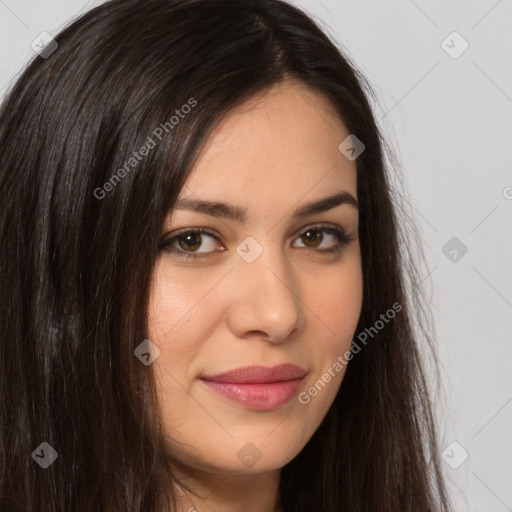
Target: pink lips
(258, 387)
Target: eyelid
(192, 229)
(214, 234)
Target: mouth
(258, 388)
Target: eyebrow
(236, 213)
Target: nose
(266, 301)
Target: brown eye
(187, 242)
(332, 237)
(190, 241)
(312, 237)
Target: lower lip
(258, 397)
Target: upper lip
(258, 374)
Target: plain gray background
(450, 122)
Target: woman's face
(261, 292)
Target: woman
(203, 286)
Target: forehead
(279, 145)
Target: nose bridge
(267, 296)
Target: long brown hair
(79, 239)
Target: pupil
(189, 240)
(313, 238)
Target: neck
(230, 492)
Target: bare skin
(292, 304)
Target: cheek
(334, 305)
(335, 299)
(180, 310)
(181, 317)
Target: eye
(185, 243)
(315, 235)
(188, 241)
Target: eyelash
(166, 245)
